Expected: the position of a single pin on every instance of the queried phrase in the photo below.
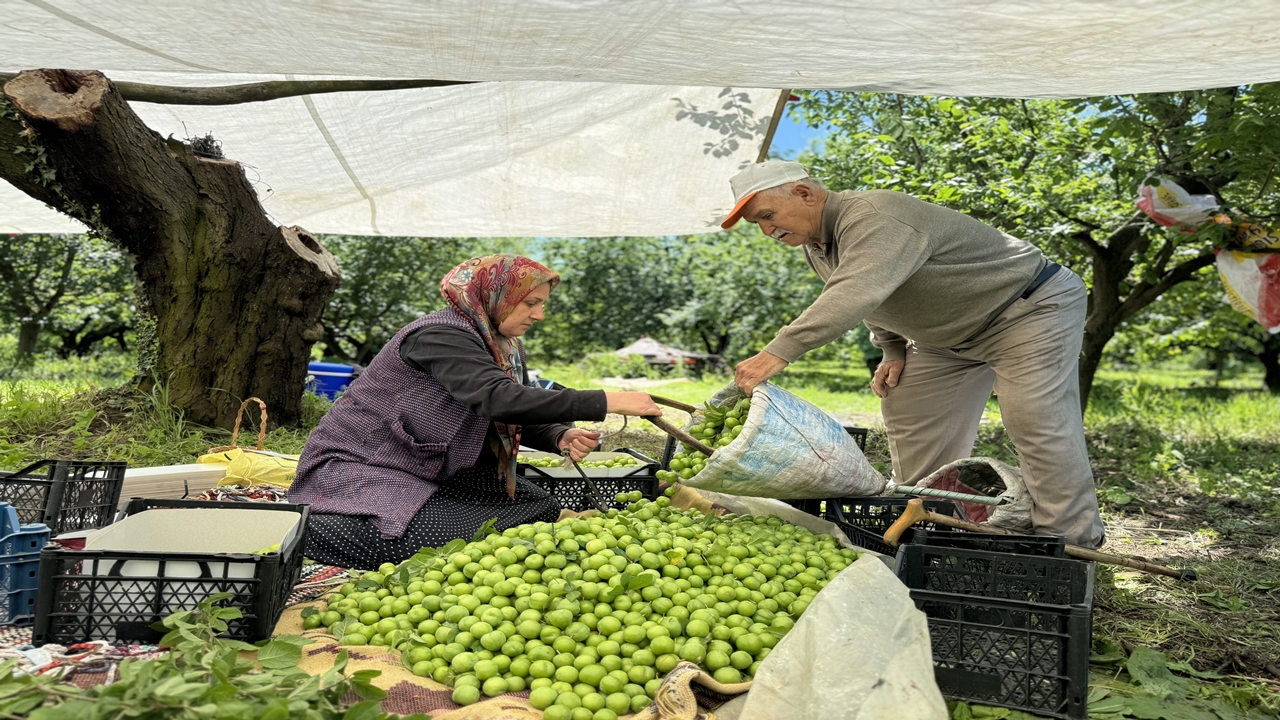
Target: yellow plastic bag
(247, 466)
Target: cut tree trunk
(235, 300)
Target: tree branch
(257, 92)
(1139, 300)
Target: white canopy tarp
(588, 132)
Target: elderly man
(958, 308)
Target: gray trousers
(1029, 356)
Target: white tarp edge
(492, 159)
(578, 134)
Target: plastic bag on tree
(1251, 279)
(860, 651)
(788, 449)
(1168, 204)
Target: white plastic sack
(1169, 204)
(988, 477)
(788, 449)
(1252, 282)
(861, 651)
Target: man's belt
(1049, 271)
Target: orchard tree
(1064, 174)
(612, 292)
(231, 301)
(387, 283)
(740, 288)
(35, 275)
(100, 304)
(1192, 320)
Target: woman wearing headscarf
(421, 448)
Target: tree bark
(235, 301)
(1270, 357)
(28, 336)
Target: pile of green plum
(550, 462)
(719, 427)
(589, 614)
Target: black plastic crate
(864, 519)
(83, 596)
(1006, 630)
(66, 495)
(1039, 545)
(572, 491)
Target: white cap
(757, 177)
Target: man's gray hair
(785, 189)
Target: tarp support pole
(778, 109)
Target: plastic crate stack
(19, 566)
(1007, 628)
(66, 495)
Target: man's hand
(887, 374)
(579, 442)
(755, 370)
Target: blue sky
(792, 137)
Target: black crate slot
(1007, 630)
(66, 495)
(996, 575)
(573, 492)
(117, 595)
(865, 519)
(1039, 545)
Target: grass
(1187, 475)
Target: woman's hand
(579, 442)
(632, 403)
(887, 374)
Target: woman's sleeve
(460, 362)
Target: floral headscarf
(485, 290)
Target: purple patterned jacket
(392, 432)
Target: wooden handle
(915, 512)
(235, 431)
(680, 435)
(691, 409)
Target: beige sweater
(911, 270)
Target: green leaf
(361, 683)
(1106, 652)
(368, 710)
(1149, 668)
(339, 628)
(485, 530)
(310, 611)
(278, 654)
(641, 581)
(1218, 600)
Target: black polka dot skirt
(456, 510)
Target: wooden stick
(915, 513)
(680, 435)
(257, 92)
(691, 409)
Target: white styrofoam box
(204, 531)
(170, 481)
(571, 472)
